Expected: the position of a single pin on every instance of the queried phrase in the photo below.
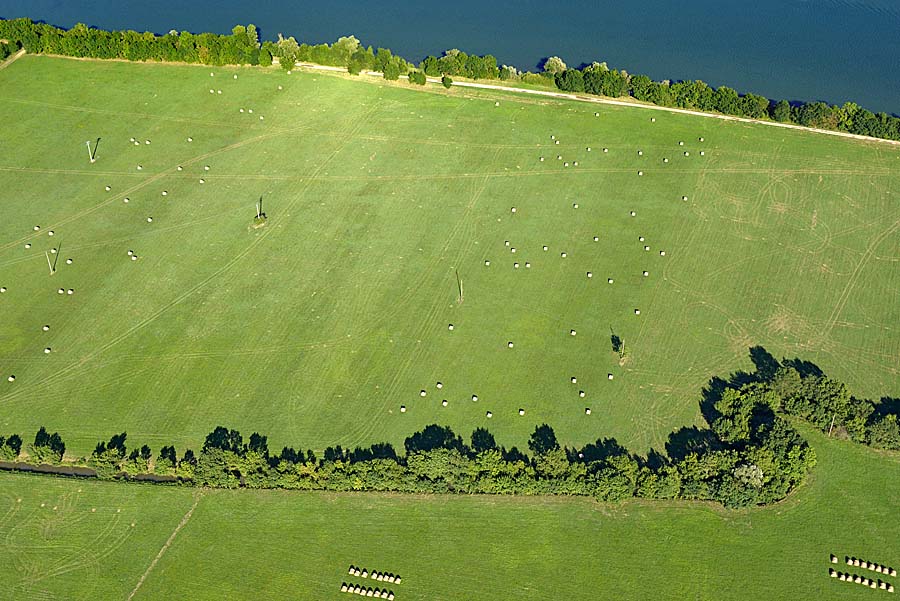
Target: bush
(446, 81)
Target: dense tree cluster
(459, 64)
(6, 49)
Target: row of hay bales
(869, 565)
(856, 578)
(363, 591)
(379, 576)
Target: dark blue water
(832, 50)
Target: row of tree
(243, 47)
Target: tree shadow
(888, 406)
(689, 440)
(804, 368)
(433, 437)
(601, 450)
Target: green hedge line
(749, 455)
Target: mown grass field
(286, 545)
(316, 328)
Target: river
(832, 50)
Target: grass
(316, 328)
(284, 545)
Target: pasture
(290, 545)
(316, 328)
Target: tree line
(243, 47)
(749, 454)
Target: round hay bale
(563, 255)
(665, 160)
(27, 245)
(512, 249)
(587, 410)
(422, 393)
(506, 243)
(165, 192)
(700, 139)
(521, 412)
(202, 181)
(140, 167)
(147, 142)
(575, 164)
(206, 167)
(107, 188)
(11, 379)
(596, 238)
(474, 398)
(47, 350)
(527, 265)
(596, 114)
(498, 104)
(365, 573)
(878, 569)
(702, 153)
(509, 344)
(280, 88)
(652, 119)
(125, 200)
(489, 415)
(240, 110)
(640, 173)
(343, 587)
(51, 233)
(130, 252)
(573, 333)
(640, 238)
(856, 562)
(609, 376)
(516, 265)
(250, 111)
(646, 248)
(609, 280)
(545, 247)
(606, 150)
(566, 164)
(637, 311)
(397, 580)
(640, 153)
(444, 403)
(646, 273)
(70, 291)
(662, 253)
(574, 380)
(235, 75)
(842, 577)
(350, 570)
(218, 91)
(575, 205)
(590, 275)
(450, 326)
(893, 573)
(37, 227)
(632, 213)
(684, 198)
(61, 291)
(487, 263)
(588, 148)
(557, 142)
(149, 219)
(882, 585)
(439, 385)
(542, 159)
(849, 561)
(513, 210)
(581, 393)
(2, 289)
(136, 143)
(190, 139)
(402, 408)
(131, 139)
(890, 588)
(832, 573)
(52, 251)
(559, 157)
(680, 143)
(687, 154)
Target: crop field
(74, 540)
(404, 247)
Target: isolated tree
(446, 81)
(288, 51)
(554, 65)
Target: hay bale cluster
(874, 583)
(378, 593)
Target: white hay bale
(136, 143)
(487, 263)
(149, 219)
(640, 153)
(662, 253)
(606, 150)
(365, 573)
(506, 243)
(596, 238)
(832, 573)
(521, 412)
(702, 153)
(344, 587)
(684, 198)
(11, 379)
(51, 233)
(140, 167)
(566, 164)
(250, 111)
(280, 88)
(652, 119)
(513, 210)
(588, 148)
(587, 410)
(474, 398)
(496, 104)
(450, 327)
(575, 164)
(596, 114)
(581, 393)
(350, 570)
(37, 227)
(509, 344)
(632, 213)
(609, 281)
(545, 247)
(397, 580)
(700, 139)
(212, 91)
(218, 91)
(552, 137)
(590, 274)
(640, 173)
(559, 157)
(147, 142)
(202, 181)
(165, 192)
(489, 415)
(240, 110)
(402, 408)
(131, 139)
(893, 573)
(422, 393)
(563, 255)
(609, 376)
(27, 245)
(527, 265)
(512, 249)
(646, 273)
(680, 143)
(61, 291)
(444, 403)
(211, 74)
(52, 251)
(640, 238)
(2, 289)
(646, 248)
(637, 311)
(70, 291)
(125, 200)
(834, 559)
(842, 577)
(574, 380)
(687, 154)
(47, 351)
(665, 160)
(190, 139)
(516, 265)
(107, 188)
(542, 159)
(235, 75)
(856, 562)
(572, 333)
(130, 252)
(439, 385)
(575, 205)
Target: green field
(316, 328)
(272, 545)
